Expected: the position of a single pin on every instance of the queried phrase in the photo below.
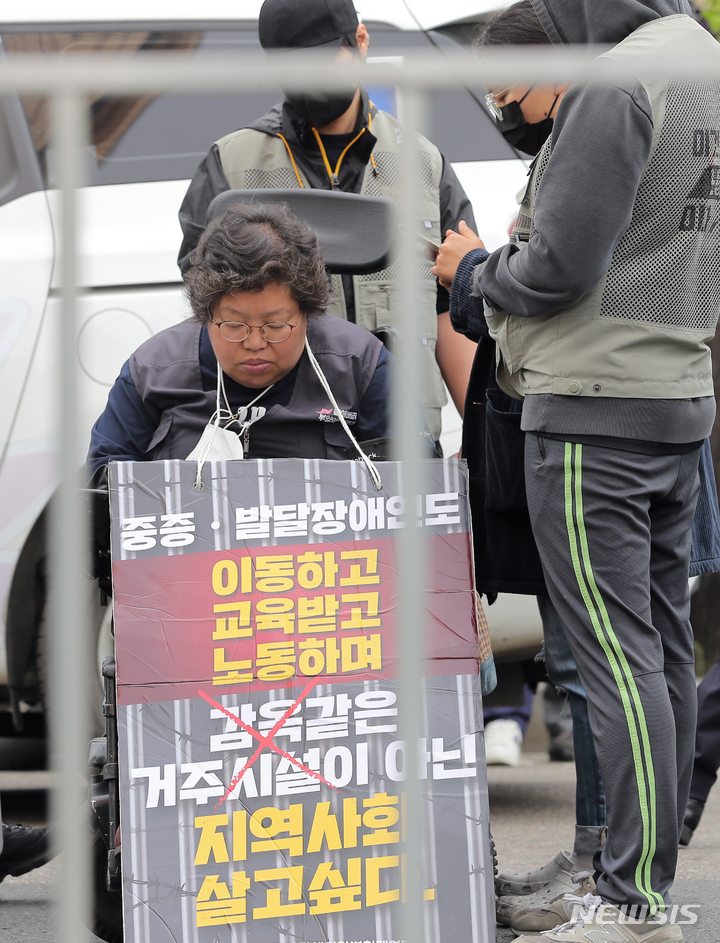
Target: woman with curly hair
(259, 368)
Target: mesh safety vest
(255, 160)
(643, 332)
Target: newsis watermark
(608, 915)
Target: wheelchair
(355, 235)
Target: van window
(148, 137)
(164, 137)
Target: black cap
(303, 24)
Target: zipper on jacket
(332, 176)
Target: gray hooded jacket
(602, 315)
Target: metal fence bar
(411, 544)
(69, 639)
(152, 73)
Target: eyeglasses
(495, 109)
(237, 331)
(492, 105)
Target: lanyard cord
(221, 383)
(292, 159)
(372, 159)
(333, 177)
(215, 422)
(372, 469)
(334, 180)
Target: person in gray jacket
(602, 309)
(340, 140)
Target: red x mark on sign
(266, 741)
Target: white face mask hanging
(217, 445)
(221, 443)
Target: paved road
(532, 818)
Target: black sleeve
(373, 421)
(454, 206)
(454, 203)
(208, 180)
(467, 312)
(124, 430)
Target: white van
(143, 151)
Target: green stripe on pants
(624, 679)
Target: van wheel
(107, 916)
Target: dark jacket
(166, 393)
(209, 179)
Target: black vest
(166, 373)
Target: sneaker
(23, 849)
(508, 905)
(596, 921)
(510, 883)
(536, 914)
(692, 817)
(503, 743)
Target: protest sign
(261, 766)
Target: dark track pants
(613, 529)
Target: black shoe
(23, 849)
(692, 816)
(561, 748)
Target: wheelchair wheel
(106, 915)
(103, 642)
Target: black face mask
(323, 107)
(518, 132)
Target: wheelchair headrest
(354, 232)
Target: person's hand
(453, 250)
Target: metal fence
(67, 82)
